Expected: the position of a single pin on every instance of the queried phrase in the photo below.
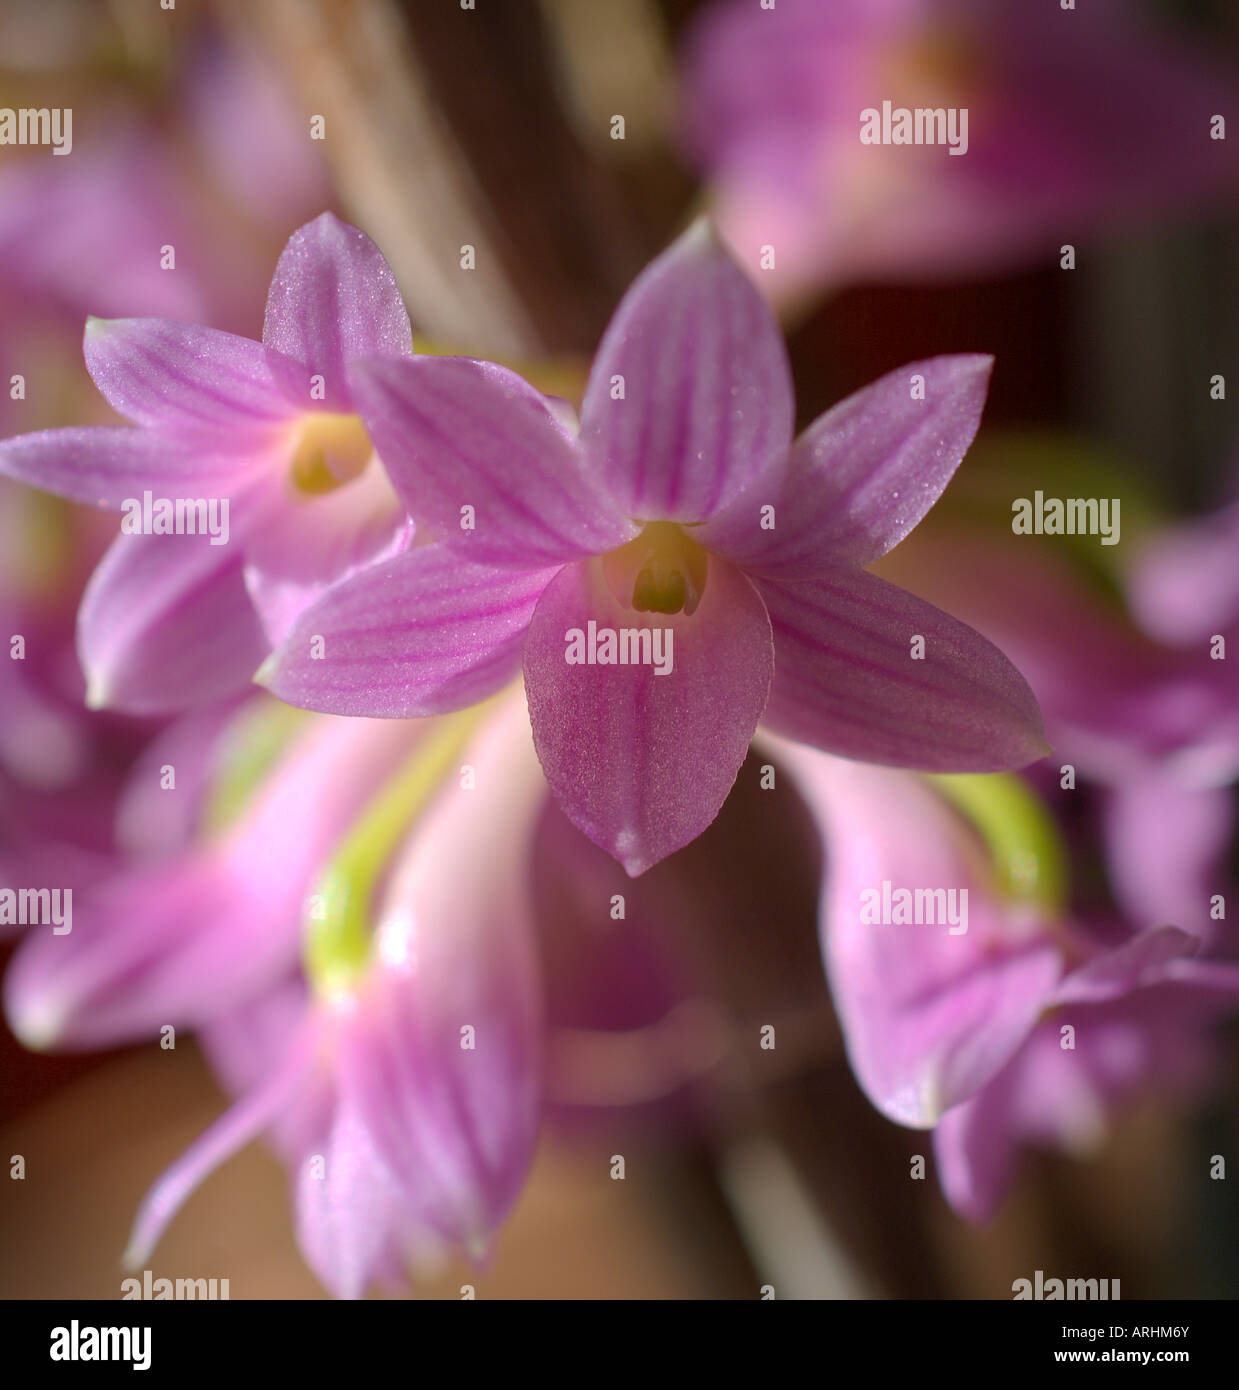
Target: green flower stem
(337, 925)
(1029, 858)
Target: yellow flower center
(661, 571)
(328, 451)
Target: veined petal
(349, 1217)
(422, 633)
(846, 680)
(930, 1011)
(166, 623)
(455, 951)
(180, 376)
(862, 475)
(464, 439)
(107, 465)
(1143, 960)
(185, 941)
(333, 300)
(1165, 847)
(235, 1128)
(642, 761)
(975, 1151)
(689, 399)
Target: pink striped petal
(235, 1128)
(105, 465)
(862, 475)
(333, 300)
(455, 434)
(166, 623)
(350, 1217)
(642, 762)
(186, 940)
(455, 949)
(706, 409)
(928, 1016)
(846, 681)
(177, 375)
(1142, 960)
(422, 633)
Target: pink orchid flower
(1002, 1020)
(208, 912)
(269, 430)
(405, 1092)
(682, 520)
(1042, 111)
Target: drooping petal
(1114, 702)
(465, 440)
(333, 300)
(1165, 850)
(975, 1152)
(226, 1137)
(846, 680)
(1184, 584)
(179, 376)
(1142, 960)
(862, 475)
(422, 633)
(642, 761)
(689, 399)
(184, 941)
(106, 465)
(166, 623)
(444, 1062)
(1155, 1036)
(349, 1215)
(930, 1011)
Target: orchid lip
(661, 570)
(329, 450)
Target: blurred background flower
(518, 165)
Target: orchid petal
(975, 1153)
(184, 941)
(333, 300)
(179, 376)
(422, 633)
(930, 1013)
(346, 1215)
(462, 437)
(846, 681)
(862, 475)
(108, 465)
(689, 399)
(226, 1137)
(455, 950)
(642, 761)
(1165, 844)
(166, 624)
